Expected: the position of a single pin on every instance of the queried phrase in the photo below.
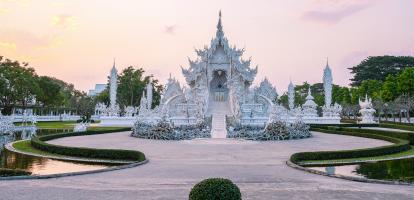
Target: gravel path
(258, 168)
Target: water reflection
(36, 165)
(394, 170)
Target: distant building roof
(97, 90)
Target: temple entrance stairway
(218, 111)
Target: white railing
(43, 118)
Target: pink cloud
(333, 11)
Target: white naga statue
(367, 111)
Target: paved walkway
(258, 168)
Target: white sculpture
(367, 111)
(327, 84)
(81, 127)
(149, 95)
(309, 107)
(6, 124)
(291, 96)
(219, 74)
(329, 110)
(266, 89)
(113, 86)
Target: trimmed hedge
(214, 189)
(113, 154)
(396, 134)
(406, 127)
(343, 125)
(398, 146)
(13, 172)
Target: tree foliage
(132, 84)
(379, 67)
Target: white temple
(219, 84)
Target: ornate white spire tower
(219, 33)
(149, 95)
(327, 84)
(113, 86)
(291, 95)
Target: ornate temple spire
(291, 95)
(309, 97)
(114, 68)
(327, 84)
(219, 33)
(113, 86)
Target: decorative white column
(327, 84)
(149, 95)
(291, 95)
(113, 86)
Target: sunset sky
(76, 40)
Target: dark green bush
(215, 189)
(342, 125)
(407, 127)
(398, 146)
(13, 172)
(396, 134)
(113, 154)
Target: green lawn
(389, 156)
(56, 125)
(25, 146)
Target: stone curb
(350, 178)
(73, 173)
(9, 146)
(356, 161)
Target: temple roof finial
(327, 62)
(114, 67)
(219, 33)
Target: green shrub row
(13, 172)
(406, 127)
(398, 146)
(342, 125)
(113, 154)
(396, 134)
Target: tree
(371, 88)
(389, 90)
(18, 84)
(131, 85)
(406, 81)
(50, 93)
(103, 97)
(85, 107)
(379, 67)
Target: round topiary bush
(215, 189)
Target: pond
(393, 170)
(37, 165)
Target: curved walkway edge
(9, 146)
(356, 161)
(125, 165)
(350, 178)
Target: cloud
(4, 11)
(64, 21)
(333, 11)
(25, 42)
(354, 58)
(170, 29)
